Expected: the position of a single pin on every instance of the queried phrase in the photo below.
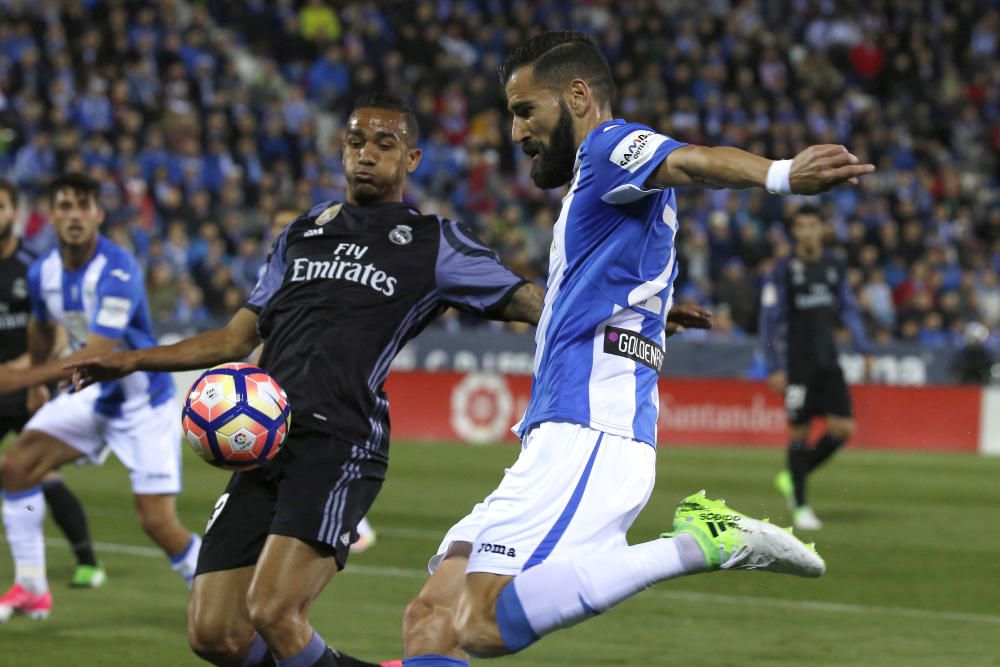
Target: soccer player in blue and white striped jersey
(94, 290)
(547, 549)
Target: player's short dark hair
(382, 100)
(10, 189)
(558, 57)
(808, 209)
(77, 182)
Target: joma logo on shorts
(496, 549)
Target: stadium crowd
(203, 120)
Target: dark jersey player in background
(804, 304)
(15, 408)
(346, 285)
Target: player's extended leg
(500, 614)
(290, 574)
(67, 511)
(429, 621)
(798, 462)
(147, 441)
(158, 518)
(33, 455)
(838, 431)
(218, 622)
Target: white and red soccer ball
(236, 416)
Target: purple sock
(311, 653)
(257, 653)
(432, 660)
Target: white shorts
(146, 439)
(572, 490)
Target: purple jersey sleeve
(624, 157)
(271, 276)
(469, 275)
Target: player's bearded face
(76, 217)
(554, 164)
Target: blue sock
(431, 660)
(257, 653)
(515, 629)
(313, 651)
(557, 594)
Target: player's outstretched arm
(233, 342)
(525, 305)
(814, 170)
(43, 369)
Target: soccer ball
(236, 416)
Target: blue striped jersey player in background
(16, 408)
(547, 548)
(95, 290)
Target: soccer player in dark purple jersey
(804, 301)
(345, 286)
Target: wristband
(778, 180)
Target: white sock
(186, 561)
(557, 594)
(23, 514)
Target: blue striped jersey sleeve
(36, 300)
(624, 157)
(119, 294)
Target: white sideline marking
(689, 596)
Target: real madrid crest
(798, 272)
(19, 290)
(329, 214)
(401, 234)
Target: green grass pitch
(911, 542)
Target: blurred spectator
(974, 363)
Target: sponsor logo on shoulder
(401, 234)
(313, 232)
(328, 215)
(634, 346)
(636, 148)
(120, 274)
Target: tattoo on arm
(525, 305)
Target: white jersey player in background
(94, 289)
(547, 548)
